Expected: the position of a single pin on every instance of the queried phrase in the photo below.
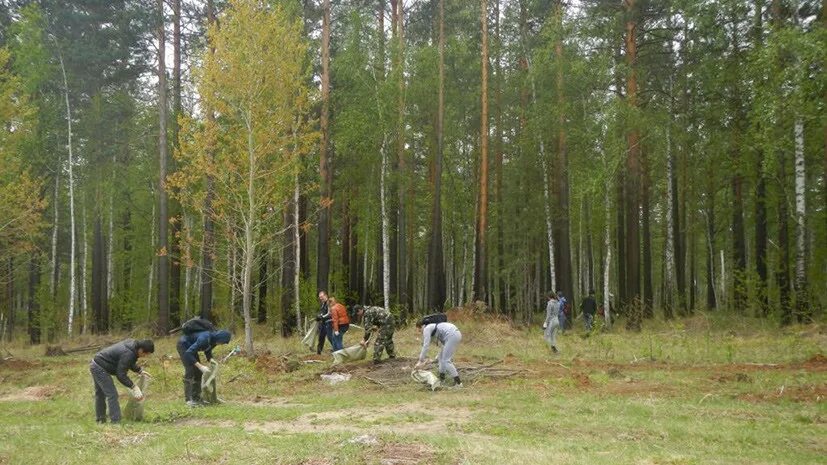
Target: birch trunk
(109, 266)
(386, 272)
(56, 223)
(249, 244)
(297, 245)
(670, 214)
(800, 223)
(83, 275)
(72, 286)
(607, 244)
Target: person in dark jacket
(325, 322)
(188, 347)
(589, 307)
(116, 360)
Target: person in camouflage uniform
(381, 320)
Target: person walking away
(564, 314)
(116, 360)
(589, 308)
(323, 320)
(340, 323)
(552, 323)
(447, 335)
(377, 319)
(189, 345)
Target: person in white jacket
(449, 336)
(552, 323)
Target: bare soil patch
(405, 454)
(807, 393)
(32, 393)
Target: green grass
(699, 391)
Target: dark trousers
(192, 375)
(325, 332)
(105, 393)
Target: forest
(229, 159)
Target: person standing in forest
(340, 323)
(188, 347)
(589, 308)
(380, 320)
(116, 360)
(563, 314)
(324, 321)
(449, 336)
(552, 323)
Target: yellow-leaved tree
(255, 81)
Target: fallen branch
(376, 381)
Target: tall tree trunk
(296, 249)
(72, 247)
(648, 283)
(802, 306)
(404, 177)
(325, 168)
(55, 265)
(262, 286)
(386, 270)
(34, 304)
(671, 212)
(83, 275)
(177, 220)
(249, 243)
(633, 176)
(561, 176)
(739, 256)
(289, 268)
(607, 244)
(711, 297)
(481, 260)
(163, 218)
(782, 275)
(760, 193)
(436, 262)
(208, 245)
(498, 166)
(99, 298)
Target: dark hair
(146, 345)
(551, 295)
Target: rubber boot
(457, 382)
(188, 388)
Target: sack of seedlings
(310, 339)
(349, 354)
(427, 378)
(209, 384)
(135, 408)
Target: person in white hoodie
(552, 323)
(449, 337)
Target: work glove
(137, 394)
(202, 368)
(335, 333)
(545, 325)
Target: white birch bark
(188, 270)
(386, 272)
(800, 211)
(109, 267)
(83, 274)
(297, 252)
(53, 274)
(249, 244)
(72, 285)
(607, 244)
(151, 262)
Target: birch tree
(256, 81)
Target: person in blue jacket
(188, 347)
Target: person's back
(589, 305)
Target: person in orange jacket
(341, 322)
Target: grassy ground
(698, 391)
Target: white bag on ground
(349, 354)
(135, 408)
(209, 384)
(311, 338)
(427, 378)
